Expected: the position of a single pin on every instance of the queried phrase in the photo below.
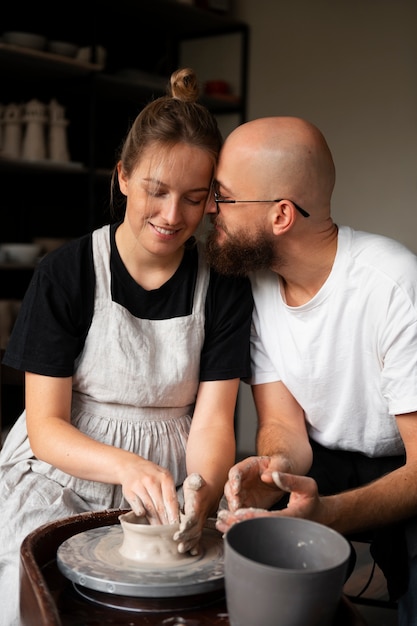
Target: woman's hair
(174, 118)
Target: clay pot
(149, 544)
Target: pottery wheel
(91, 559)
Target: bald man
(334, 349)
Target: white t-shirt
(348, 356)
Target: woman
(133, 350)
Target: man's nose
(212, 206)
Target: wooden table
(49, 599)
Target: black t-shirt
(58, 307)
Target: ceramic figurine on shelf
(34, 145)
(57, 141)
(2, 109)
(12, 131)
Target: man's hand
(304, 502)
(250, 483)
(304, 499)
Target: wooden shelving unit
(142, 41)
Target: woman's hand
(150, 491)
(192, 521)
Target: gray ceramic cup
(283, 571)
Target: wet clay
(149, 544)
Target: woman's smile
(165, 232)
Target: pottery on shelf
(35, 118)
(57, 139)
(12, 131)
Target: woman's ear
(123, 180)
(283, 217)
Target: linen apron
(134, 387)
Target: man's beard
(240, 254)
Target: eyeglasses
(219, 200)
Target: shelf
(178, 19)
(114, 87)
(66, 200)
(17, 58)
(17, 266)
(41, 166)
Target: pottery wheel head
(93, 559)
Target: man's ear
(283, 217)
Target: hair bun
(184, 85)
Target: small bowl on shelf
(25, 40)
(85, 55)
(20, 253)
(216, 87)
(63, 48)
(49, 244)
